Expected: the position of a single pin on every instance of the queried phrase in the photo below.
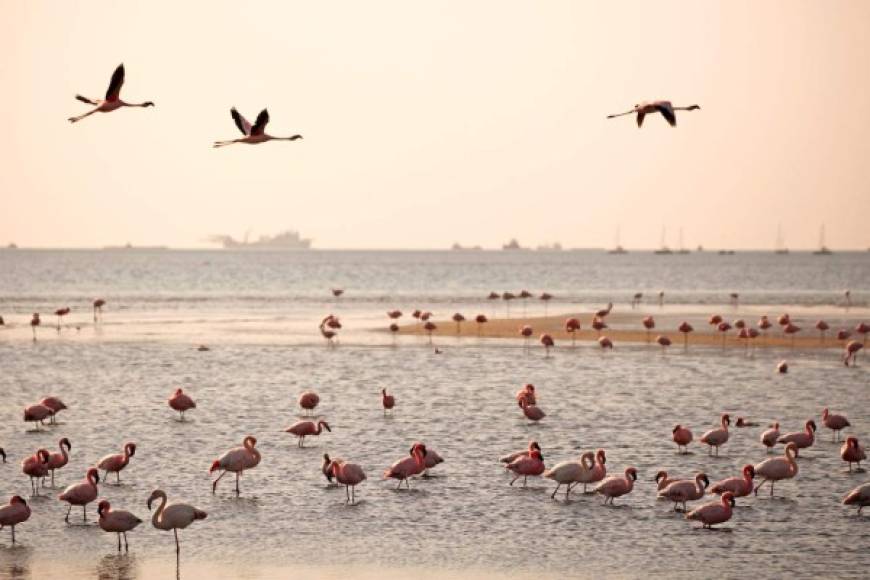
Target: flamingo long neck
(587, 460)
(249, 445)
(419, 458)
(789, 456)
(319, 428)
(64, 452)
(92, 479)
(158, 513)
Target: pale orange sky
(427, 123)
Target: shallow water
(466, 521)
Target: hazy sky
(427, 123)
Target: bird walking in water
(254, 134)
(835, 423)
(801, 439)
(682, 436)
(15, 512)
(617, 485)
(98, 309)
(407, 467)
(349, 475)
(303, 429)
(770, 437)
(667, 110)
(113, 101)
(237, 460)
(117, 521)
(81, 493)
(181, 402)
(55, 405)
(175, 516)
(58, 460)
(739, 486)
(777, 468)
(526, 465)
(388, 402)
(36, 468)
(115, 462)
(860, 496)
(852, 452)
(714, 512)
(717, 437)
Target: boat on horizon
(823, 249)
(286, 240)
(513, 244)
(617, 249)
(663, 250)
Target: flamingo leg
(84, 513)
(214, 485)
(118, 477)
(400, 485)
(13, 529)
(80, 117)
(119, 541)
(52, 478)
(177, 545)
(126, 545)
(347, 493)
(514, 479)
(237, 482)
(553, 495)
(66, 518)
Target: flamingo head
(703, 477)
(602, 458)
(156, 494)
(215, 465)
(533, 445)
(676, 428)
(660, 475)
(728, 498)
(148, 104)
(536, 454)
(693, 107)
(178, 391)
(726, 419)
(250, 441)
(825, 413)
(130, 449)
(529, 387)
(811, 425)
(93, 476)
(65, 443)
(17, 499)
(102, 507)
(43, 455)
(632, 473)
(749, 471)
(325, 426)
(852, 442)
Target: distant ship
(555, 247)
(663, 250)
(726, 252)
(683, 250)
(287, 240)
(512, 245)
(780, 244)
(823, 249)
(129, 246)
(618, 249)
(457, 246)
(12, 246)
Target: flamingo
(407, 467)
(777, 468)
(394, 328)
(532, 412)
(566, 472)
(801, 439)
(783, 320)
(527, 394)
(663, 480)
(666, 109)
(617, 486)
(526, 331)
(593, 471)
(852, 452)
(98, 309)
(14, 513)
(714, 512)
(682, 437)
(715, 438)
(480, 319)
(572, 325)
(764, 324)
(433, 459)
(649, 323)
(601, 314)
(117, 521)
(526, 465)
(237, 460)
(507, 297)
(116, 462)
(723, 328)
(36, 467)
(81, 493)
(685, 328)
(848, 296)
(822, 327)
(308, 401)
(739, 486)
(782, 367)
(636, 299)
(715, 320)
(598, 325)
(458, 319)
(327, 333)
(337, 292)
(175, 516)
(524, 295)
(791, 329)
(835, 423)
(684, 490)
(545, 298)
(112, 101)
(605, 343)
(860, 496)
(661, 298)
(349, 475)
(430, 327)
(254, 134)
(493, 296)
(548, 343)
(388, 401)
(509, 458)
(326, 467)
(34, 322)
(863, 328)
(181, 402)
(55, 405)
(770, 437)
(394, 314)
(36, 414)
(743, 422)
(58, 460)
(663, 341)
(303, 429)
(851, 352)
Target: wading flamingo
(98, 309)
(822, 327)
(685, 490)
(116, 462)
(714, 512)
(388, 401)
(605, 343)
(715, 438)
(112, 101)
(429, 327)
(175, 516)
(303, 429)
(55, 405)
(308, 401)
(526, 465)
(548, 343)
(782, 367)
(526, 331)
(572, 325)
(649, 324)
(682, 437)
(598, 325)
(34, 322)
(852, 452)
(739, 486)
(664, 342)
(326, 467)
(617, 486)
(524, 295)
(458, 319)
(237, 460)
(15, 512)
(507, 297)
(770, 437)
(851, 352)
(685, 328)
(58, 460)
(181, 402)
(81, 493)
(860, 496)
(527, 394)
(36, 414)
(602, 314)
(801, 439)
(545, 298)
(36, 468)
(593, 471)
(566, 472)
(407, 467)
(835, 423)
(510, 457)
(255, 134)
(777, 468)
(116, 521)
(532, 412)
(480, 319)
(349, 475)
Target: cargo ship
(287, 240)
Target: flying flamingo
(682, 437)
(770, 437)
(98, 309)
(601, 314)
(254, 134)
(526, 465)
(852, 452)
(55, 405)
(649, 323)
(605, 343)
(181, 402)
(81, 493)
(175, 516)
(714, 512)
(822, 327)
(480, 319)
(684, 490)
(458, 319)
(715, 438)
(510, 457)
(572, 325)
(36, 414)
(851, 352)
(739, 486)
(545, 298)
(388, 401)
(117, 521)
(667, 110)
(34, 322)
(36, 468)
(112, 101)
(532, 412)
(407, 467)
(58, 460)
(430, 327)
(527, 394)
(801, 439)
(308, 401)
(593, 470)
(15, 512)
(777, 468)
(685, 328)
(237, 460)
(835, 423)
(303, 429)
(349, 475)
(598, 325)
(860, 496)
(548, 343)
(116, 462)
(617, 486)
(526, 331)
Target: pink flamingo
(493, 296)
(822, 327)
(791, 329)
(507, 297)
(81, 493)
(532, 412)
(98, 309)
(326, 467)
(801, 439)
(783, 320)
(723, 328)
(715, 320)
(863, 328)
(666, 109)
(649, 324)
(36, 414)
(303, 429)
(770, 437)
(36, 467)
(527, 394)
(602, 314)
(175, 516)
(394, 328)
(458, 319)
(844, 334)
(685, 328)
(417, 314)
(835, 423)
(744, 336)
(526, 331)
(394, 314)
(605, 343)
(349, 475)
(326, 331)
(617, 486)
(739, 324)
(34, 322)
(663, 341)
(782, 367)
(572, 325)
(545, 298)
(860, 496)
(60, 313)
(55, 405)
(58, 460)
(480, 319)
(524, 295)
(715, 438)
(548, 343)
(308, 401)
(682, 437)
(566, 472)
(598, 325)
(181, 402)
(684, 490)
(237, 460)
(116, 462)
(407, 467)
(592, 472)
(739, 486)
(113, 101)
(14, 513)
(851, 352)
(777, 468)
(852, 452)
(116, 521)
(510, 457)
(526, 465)
(429, 327)
(388, 401)
(663, 480)
(337, 292)
(714, 512)
(764, 324)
